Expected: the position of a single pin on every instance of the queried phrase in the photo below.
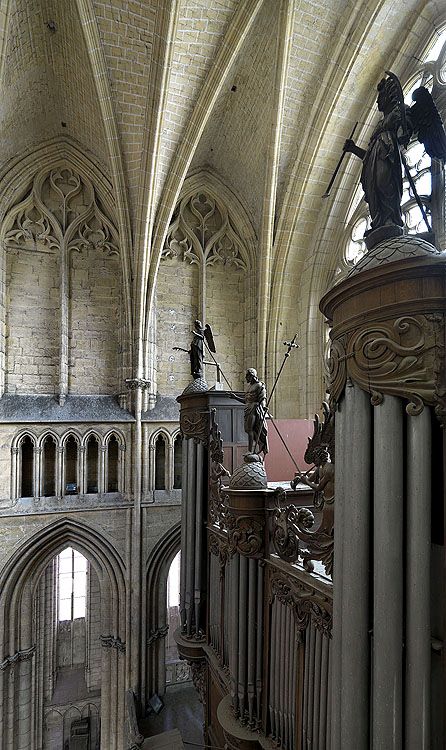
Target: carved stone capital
(109, 641)
(24, 655)
(134, 383)
(156, 635)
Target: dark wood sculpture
(381, 175)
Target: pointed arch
(154, 625)
(19, 579)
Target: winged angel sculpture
(381, 175)
(200, 335)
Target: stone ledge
(34, 409)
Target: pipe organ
(309, 639)
(256, 627)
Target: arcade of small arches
(56, 465)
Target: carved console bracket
(246, 534)
(219, 547)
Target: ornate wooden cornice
(306, 602)
(388, 333)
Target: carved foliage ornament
(306, 603)
(397, 357)
(199, 673)
(202, 232)
(245, 534)
(219, 548)
(195, 424)
(61, 210)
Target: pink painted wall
(295, 433)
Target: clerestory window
(72, 585)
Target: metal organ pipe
(418, 628)
(388, 575)
(355, 573)
(199, 524)
(190, 534)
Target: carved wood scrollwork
(292, 525)
(399, 357)
(199, 674)
(219, 548)
(195, 424)
(337, 368)
(245, 534)
(306, 603)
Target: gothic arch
(228, 241)
(154, 621)
(18, 581)
(97, 226)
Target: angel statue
(381, 176)
(200, 335)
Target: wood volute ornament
(388, 325)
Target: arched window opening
(176, 670)
(160, 463)
(49, 467)
(92, 465)
(177, 462)
(69, 652)
(71, 485)
(72, 583)
(27, 467)
(112, 464)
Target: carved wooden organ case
(256, 627)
